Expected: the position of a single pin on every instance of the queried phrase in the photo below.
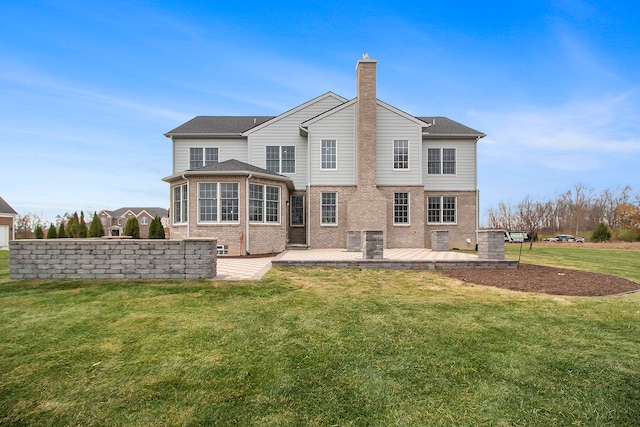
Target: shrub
(627, 235)
(601, 233)
(61, 233)
(95, 228)
(82, 227)
(132, 228)
(38, 232)
(156, 230)
(52, 233)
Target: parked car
(568, 238)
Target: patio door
(297, 224)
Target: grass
(619, 262)
(314, 347)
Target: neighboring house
(7, 223)
(321, 169)
(115, 221)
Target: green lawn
(314, 347)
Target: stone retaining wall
(112, 259)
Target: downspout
(246, 219)
(308, 192)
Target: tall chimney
(366, 122)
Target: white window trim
(204, 155)
(328, 224)
(264, 206)
(455, 150)
(218, 204)
(402, 224)
(329, 169)
(441, 211)
(183, 222)
(280, 147)
(393, 155)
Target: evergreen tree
(132, 228)
(61, 233)
(156, 230)
(96, 229)
(601, 233)
(38, 232)
(52, 233)
(73, 226)
(82, 227)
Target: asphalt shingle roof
(161, 212)
(5, 208)
(234, 165)
(218, 125)
(444, 126)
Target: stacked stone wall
(112, 259)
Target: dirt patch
(547, 280)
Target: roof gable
(295, 110)
(6, 209)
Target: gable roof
(219, 125)
(444, 127)
(153, 211)
(295, 110)
(231, 167)
(6, 209)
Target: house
(7, 223)
(115, 221)
(324, 168)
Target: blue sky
(87, 89)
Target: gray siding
(391, 126)
(465, 177)
(341, 127)
(286, 131)
(228, 149)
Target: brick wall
(112, 259)
(464, 229)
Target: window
(401, 208)
(208, 201)
(297, 211)
(328, 154)
(328, 209)
(441, 161)
(180, 206)
(281, 159)
(218, 202)
(229, 202)
(441, 210)
(144, 220)
(264, 203)
(199, 157)
(401, 154)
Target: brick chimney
(367, 208)
(366, 122)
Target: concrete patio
(405, 259)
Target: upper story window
(328, 154)
(180, 205)
(281, 159)
(264, 203)
(441, 161)
(218, 202)
(202, 156)
(329, 208)
(401, 154)
(144, 220)
(401, 208)
(441, 210)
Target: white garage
(4, 235)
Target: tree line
(31, 226)
(577, 211)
